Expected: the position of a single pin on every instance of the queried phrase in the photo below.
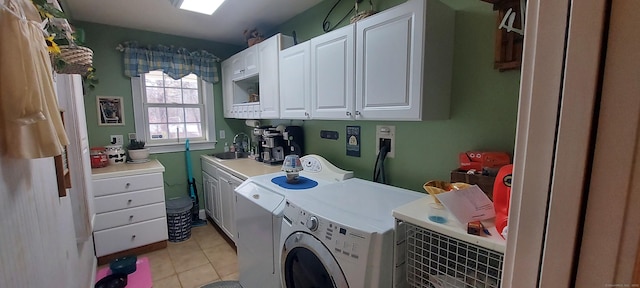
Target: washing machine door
(307, 263)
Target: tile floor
(204, 258)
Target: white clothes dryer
(258, 215)
(342, 235)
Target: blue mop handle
(189, 172)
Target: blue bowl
(125, 265)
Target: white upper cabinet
(332, 74)
(245, 63)
(268, 55)
(227, 87)
(404, 58)
(295, 90)
(250, 84)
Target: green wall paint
(483, 105)
(483, 110)
(109, 67)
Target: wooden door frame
(609, 254)
(553, 142)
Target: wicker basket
(361, 15)
(77, 59)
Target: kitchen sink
(230, 155)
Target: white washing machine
(260, 202)
(341, 236)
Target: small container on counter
(99, 157)
(116, 154)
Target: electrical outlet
(116, 139)
(386, 135)
(132, 136)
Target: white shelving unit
(430, 254)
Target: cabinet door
(269, 86)
(295, 92)
(332, 70)
(404, 59)
(389, 63)
(208, 201)
(227, 87)
(227, 184)
(237, 65)
(251, 61)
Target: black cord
(326, 25)
(378, 168)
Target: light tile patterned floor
(206, 257)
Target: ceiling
(226, 25)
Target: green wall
(103, 39)
(483, 104)
(483, 108)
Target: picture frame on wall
(110, 111)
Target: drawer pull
(130, 217)
(127, 185)
(133, 237)
(129, 201)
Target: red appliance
(502, 196)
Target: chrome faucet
(242, 147)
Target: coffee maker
(272, 146)
(294, 138)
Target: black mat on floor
(223, 284)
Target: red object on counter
(502, 196)
(479, 160)
(99, 157)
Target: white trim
(611, 235)
(572, 155)
(141, 127)
(535, 140)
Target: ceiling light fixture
(199, 6)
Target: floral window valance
(175, 62)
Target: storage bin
(179, 219)
(484, 182)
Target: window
(167, 111)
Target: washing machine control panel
(318, 167)
(344, 242)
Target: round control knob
(312, 223)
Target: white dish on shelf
(138, 161)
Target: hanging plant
(68, 56)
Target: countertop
(127, 169)
(243, 168)
(416, 213)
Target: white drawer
(129, 216)
(210, 169)
(129, 200)
(127, 184)
(130, 236)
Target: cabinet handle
(130, 217)
(127, 185)
(306, 114)
(133, 237)
(129, 201)
(348, 113)
(357, 113)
